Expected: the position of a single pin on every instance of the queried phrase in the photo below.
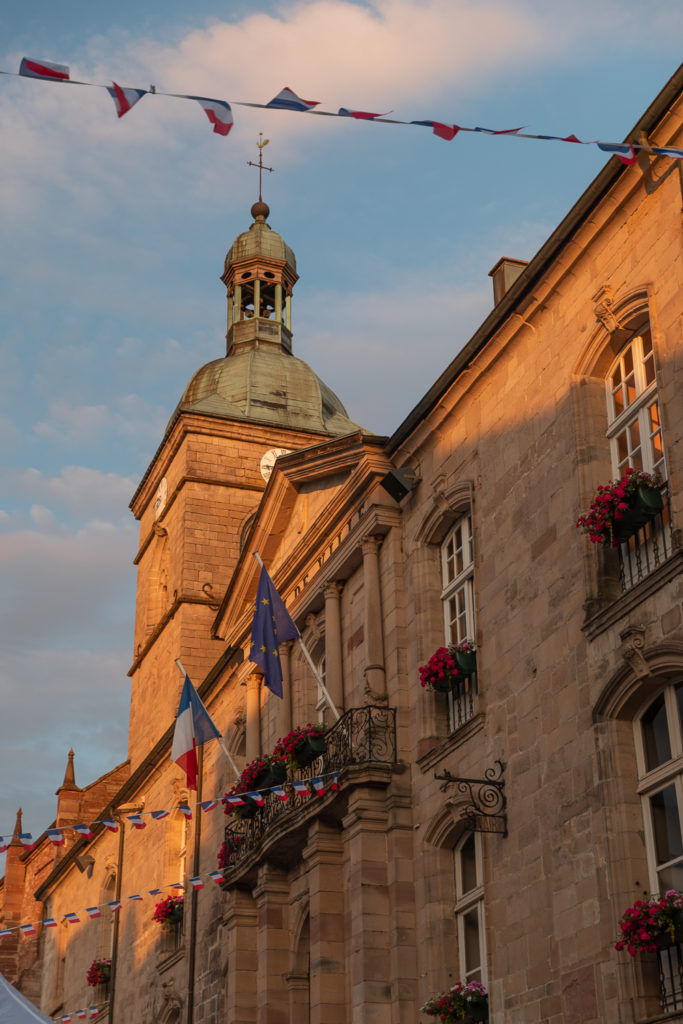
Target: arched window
(659, 747)
(457, 600)
(634, 419)
(469, 908)
(634, 430)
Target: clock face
(268, 461)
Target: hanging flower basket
(99, 972)
(301, 746)
(276, 773)
(621, 508)
(652, 924)
(462, 1004)
(466, 657)
(169, 912)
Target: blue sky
(113, 239)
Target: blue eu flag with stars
(272, 626)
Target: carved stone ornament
(632, 647)
(604, 313)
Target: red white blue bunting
(219, 113)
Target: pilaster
(333, 644)
(324, 858)
(272, 902)
(375, 682)
(241, 929)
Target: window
(635, 427)
(469, 908)
(659, 742)
(457, 598)
(635, 435)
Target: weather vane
(261, 168)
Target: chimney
(504, 274)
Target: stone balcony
(361, 747)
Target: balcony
(361, 746)
(670, 965)
(647, 549)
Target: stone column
(257, 297)
(253, 742)
(241, 925)
(272, 902)
(288, 312)
(278, 303)
(284, 714)
(238, 302)
(369, 913)
(324, 859)
(333, 644)
(375, 683)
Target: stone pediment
(314, 500)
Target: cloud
(84, 492)
(88, 425)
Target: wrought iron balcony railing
(647, 549)
(670, 964)
(364, 735)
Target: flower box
(619, 509)
(651, 924)
(462, 1004)
(448, 665)
(169, 912)
(312, 747)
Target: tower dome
(259, 379)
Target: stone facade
(358, 904)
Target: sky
(114, 234)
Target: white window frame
(461, 582)
(643, 455)
(656, 779)
(465, 903)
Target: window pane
(472, 945)
(666, 825)
(656, 734)
(628, 361)
(646, 338)
(671, 877)
(468, 865)
(622, 447)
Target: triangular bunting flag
(286, 99)
(124, 99)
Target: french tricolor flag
(4, 932)
(197, 883)
(110, 824)
(286, 99)
(94, 1011)
(137, 821)
(300, 787)
(318, 786)
(176, 885)
(114, 905)
(192, 728)
(208, 805)
(625, 153)
(154, 892)
(158, 815)
(218, 112)
(44, 69)
(124, 99)
(360, 115)
(502, 131)
(83, 830)
(3, 844)
(233, 801)
(26, 839)
(93, 911)
(187, 811)
(49, 922)
(27, 929)
(334, 776)
(72, 918)
(81, 1014)
(444, 131)
(55, 836)
(216, 876)
(135, 896)
(280, 792)
(257, 798)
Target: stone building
(356, 904)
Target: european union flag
(272, 625)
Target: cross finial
(261, 167)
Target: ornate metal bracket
(485, 811)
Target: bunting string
(137, 821)
(219, 112)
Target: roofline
(593, 195)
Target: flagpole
(309, 659)
(219, 738)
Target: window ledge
(627, 602)
(166, 961)
(456, 739)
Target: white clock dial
(268, 461)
